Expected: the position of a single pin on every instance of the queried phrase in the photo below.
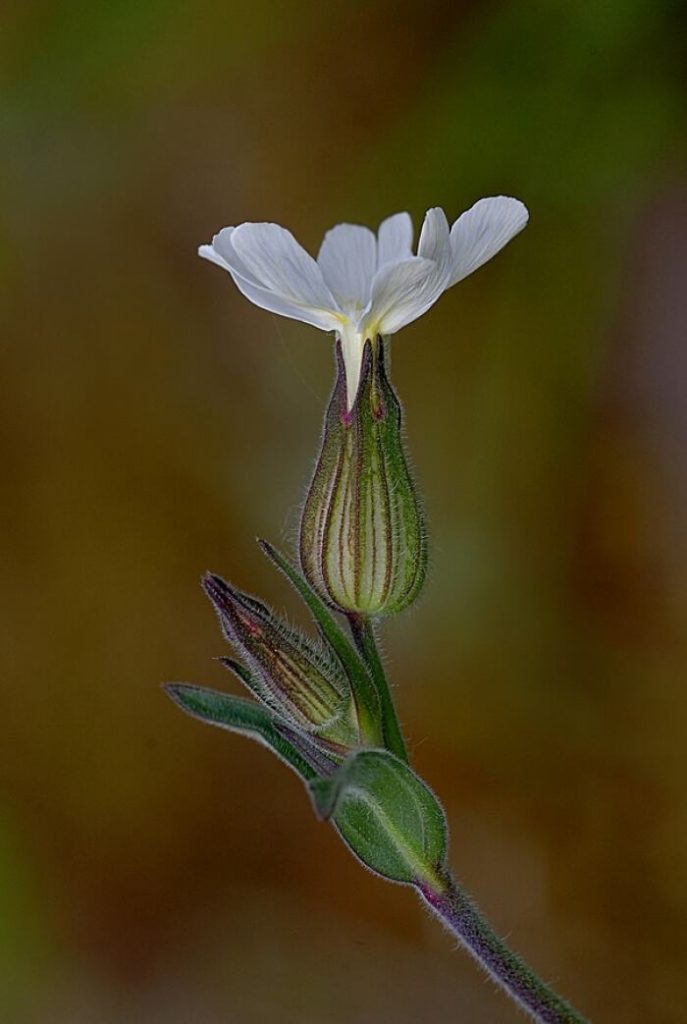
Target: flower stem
(460, 915)
(363, 634)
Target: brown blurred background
(153, 423)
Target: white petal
(210, 253)
(224, 255)
(222, 245)
(401, 292)
(435, 238)
(481, 231)
(348, 260)
(352, 343)
(395, 239)
(276, 261)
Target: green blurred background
(153, 423)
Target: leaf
(388, 816)
(239, 716)
(250, 681)
(242, 673)
(364, 691)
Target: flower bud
(363, 541)
(289, 673)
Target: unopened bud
(295, 679)
(363, 541)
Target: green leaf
(364, 691)
(388, 816)
(239, 716)
(242, 673)
(252, 682)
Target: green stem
(363, 634)
(461, 917)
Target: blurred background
(153, 423)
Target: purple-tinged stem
(459, 914)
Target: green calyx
(387, 816)
(363, 539)
(302, 684)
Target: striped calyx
(286, 670)
(363, 540)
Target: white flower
(363, 284)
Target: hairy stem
(363, 634)
(461, 917)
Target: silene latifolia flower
(362, 541)
(325, 707)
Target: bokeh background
(153, 422)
